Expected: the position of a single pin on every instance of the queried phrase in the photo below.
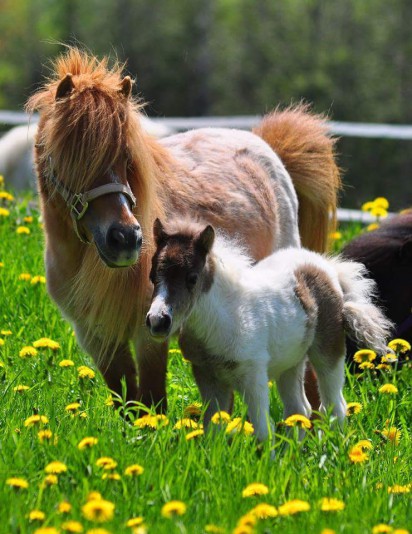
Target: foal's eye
(191, 280)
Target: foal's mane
(84, 134)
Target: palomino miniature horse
(103, 182)
(258, 322)
(387, 255)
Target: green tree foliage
(199, 57)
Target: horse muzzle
(120, 246)
(159, 325)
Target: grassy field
(206, 473)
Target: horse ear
(126, 86)
(206, 238)
(158, 231)
(65, 86)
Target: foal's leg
(291, 387)
(115, 363)
(215, 393)
(255, 390)
(152, 364)
(330, 370)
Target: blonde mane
(85, 134)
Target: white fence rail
(247, 122)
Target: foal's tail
(300, 138)
(364, 322)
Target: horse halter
(78, 203)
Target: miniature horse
(103, 181)
(387, 255)
(260, 322)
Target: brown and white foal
(259, 322)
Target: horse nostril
(117, 236)
(166, 322)
(124, 237)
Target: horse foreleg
(114, 362)
(152, 364)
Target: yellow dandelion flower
(173, 508)
(6, 332)
(38, 280)
(399, 345)
(329, 504)
(237, 426)
(220, 418)
(47, 530)
(353, 408)
(382, 529)
(357, 456)
(255, 489)
(193, 410)
(298, 420)
(51, 480)
(66, 363)
(397, 488)
(400, 531)
(152, 421)
(214, 529)
(383, 367)
(87, 443)
(104, 461)
(388, 389)
(248, 520)
(194, 434)
(4, 212)
(186, 423)
(85, 372)
(37, 515)
(25, 277)
(105, 531)
(36, 420)
(392, 434)
(364, 444)
(371, 227)
(382, 202)
(366, 365)
(20, 388)
(327, 531)
(389, 358)
(98, 510)
(135, 522)
(44, 435)
(1, 264)
(109, 401)
(1, 342)
(18, 483)
(378, 212)
(73, 407)
(134, 470)
(22, 230)
(364, 355)
(243, 529)
(294, 506)
(72, 526)
(55, 468)
(83, 415)
(111, 476)
(28, 352)
(64, 507)
(264, 511)
(28, 219)
(367, 206)
(4, 195)
(46, 343)
(335, 235)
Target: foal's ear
(158, 231)
(126, 86)
(206, 238)
(65, 86)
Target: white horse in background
(17, 158)
(256, 322)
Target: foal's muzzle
(159, 325)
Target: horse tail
(364, 322)
(300, 138)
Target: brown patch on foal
(315, 290)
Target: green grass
(208, 473)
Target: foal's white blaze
(160, 306)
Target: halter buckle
(78, 206)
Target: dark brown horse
(103, 181)
(387, 254)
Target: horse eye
(191, 279)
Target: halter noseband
(79, 202)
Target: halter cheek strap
(78, 203)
